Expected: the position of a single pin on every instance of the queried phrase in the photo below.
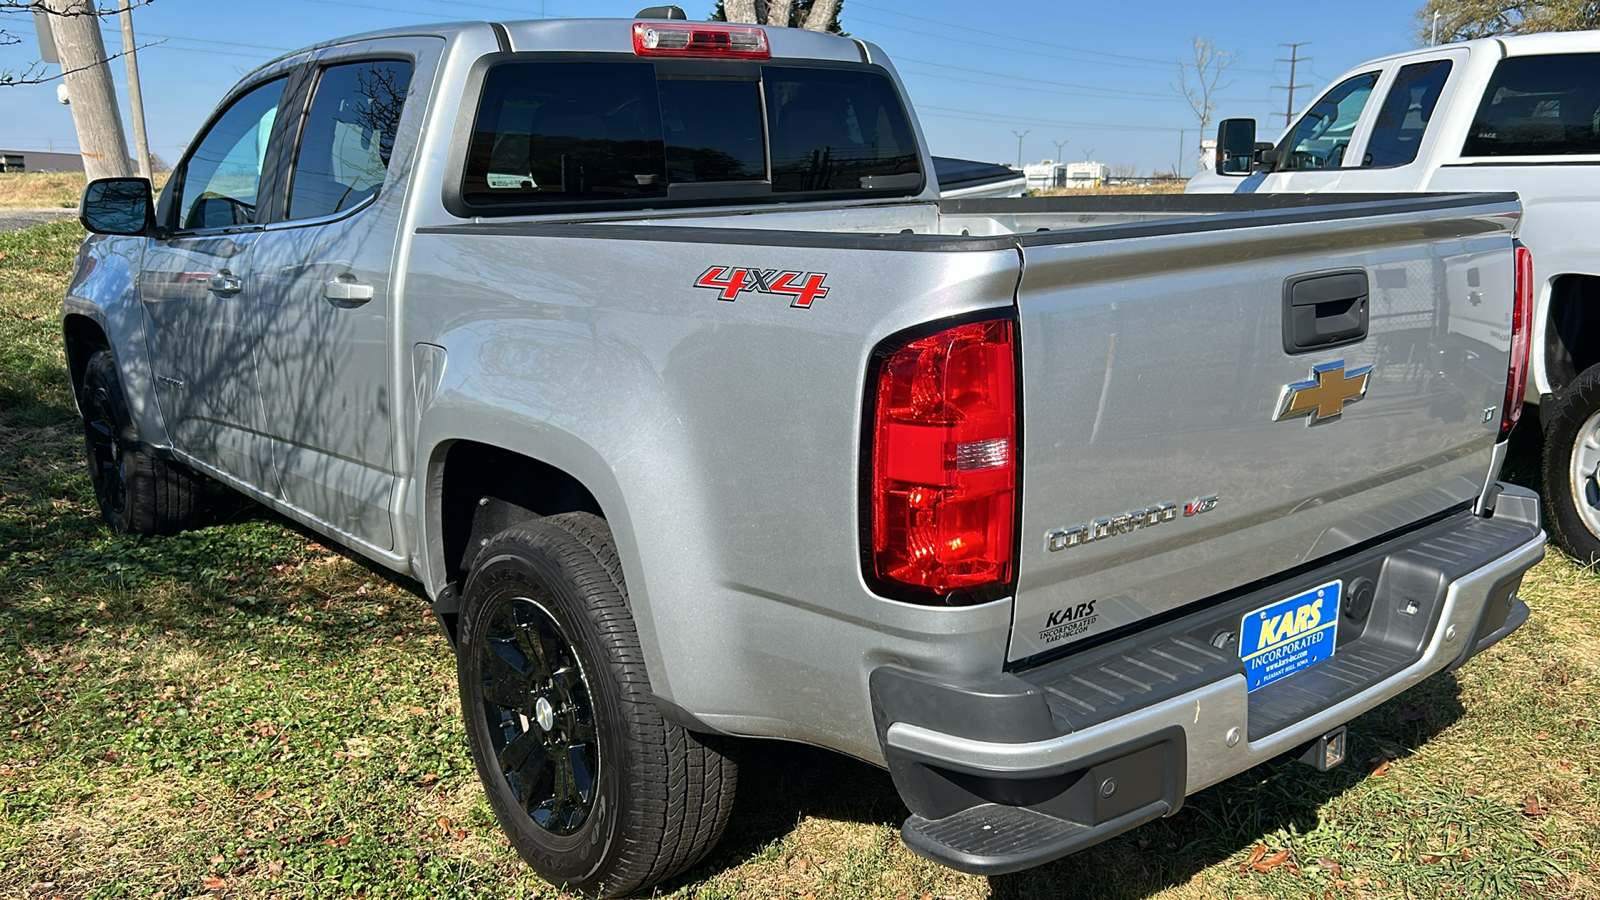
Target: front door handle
(225, 283)
(346, 293)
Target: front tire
(1572, 467)
(138, 493)
(593, 788)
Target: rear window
(1539, 106)
(1403, 119)
(647, 133)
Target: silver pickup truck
(650, 350)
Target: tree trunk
(822, 12)
(741, 11)
(94, 98)
(779, 12)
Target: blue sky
(1098, 76)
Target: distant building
(1085, 174)
(39, 161)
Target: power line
(946, 112)
(1012, 78)
(1022, 87)
(1143, 62)
(1294, 60)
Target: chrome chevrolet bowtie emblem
(1324, 394)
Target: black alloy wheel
(138, 492)
(592, 786)
(540, 718)
(103, 441)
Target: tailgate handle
(1325, 309)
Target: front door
(198, 293)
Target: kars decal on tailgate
(802, 288)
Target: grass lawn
(246, 711)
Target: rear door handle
(225, 283)
(1322, 310)
(346, 293)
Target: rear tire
(138, 493)
(593, 788)
(1572, 467)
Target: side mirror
(118, 206)
(1236, 146)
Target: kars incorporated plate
(1278, 640)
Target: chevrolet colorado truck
(1501, 114)
(650, 350)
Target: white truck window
(218, 182)
(1322, 134)
(1403, 119)
(1539, 106)
(348, 136)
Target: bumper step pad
(992, 839)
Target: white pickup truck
(651, 350)
(1501, 114)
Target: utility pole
(1183, 148)
(1020, 135)
(76, 28)
(1294, 61)
(1059, 151)
(135, 96)
(1435, 39)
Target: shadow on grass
(782, 783)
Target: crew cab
(1501, 114)
(651, 351)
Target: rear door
(1157, 469)
(326, 298)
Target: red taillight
(1521, 323)
(944, 462)
(732, 41)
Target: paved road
(18, 219)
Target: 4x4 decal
(803, 288)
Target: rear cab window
(622, 133)
(1539, 106)
(1403, 119)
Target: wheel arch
(482, 474)
(1572, 328)
(82, 337)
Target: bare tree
(1200, 78)
(1465, 20)
(812, 15)
(34, 71)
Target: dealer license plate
(1278, 640)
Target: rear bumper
(1033, 765)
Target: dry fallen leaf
(1381, 770)
(1532, 808)
(1415, 712)
(1257, 853)
(267, 794)
(1272, 862)
(213, 883)
(444, 823)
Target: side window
(1539, 106)
(348, 136)
(1320, 137)
(1403, 118)
(221, 177)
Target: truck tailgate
(1154, 360)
